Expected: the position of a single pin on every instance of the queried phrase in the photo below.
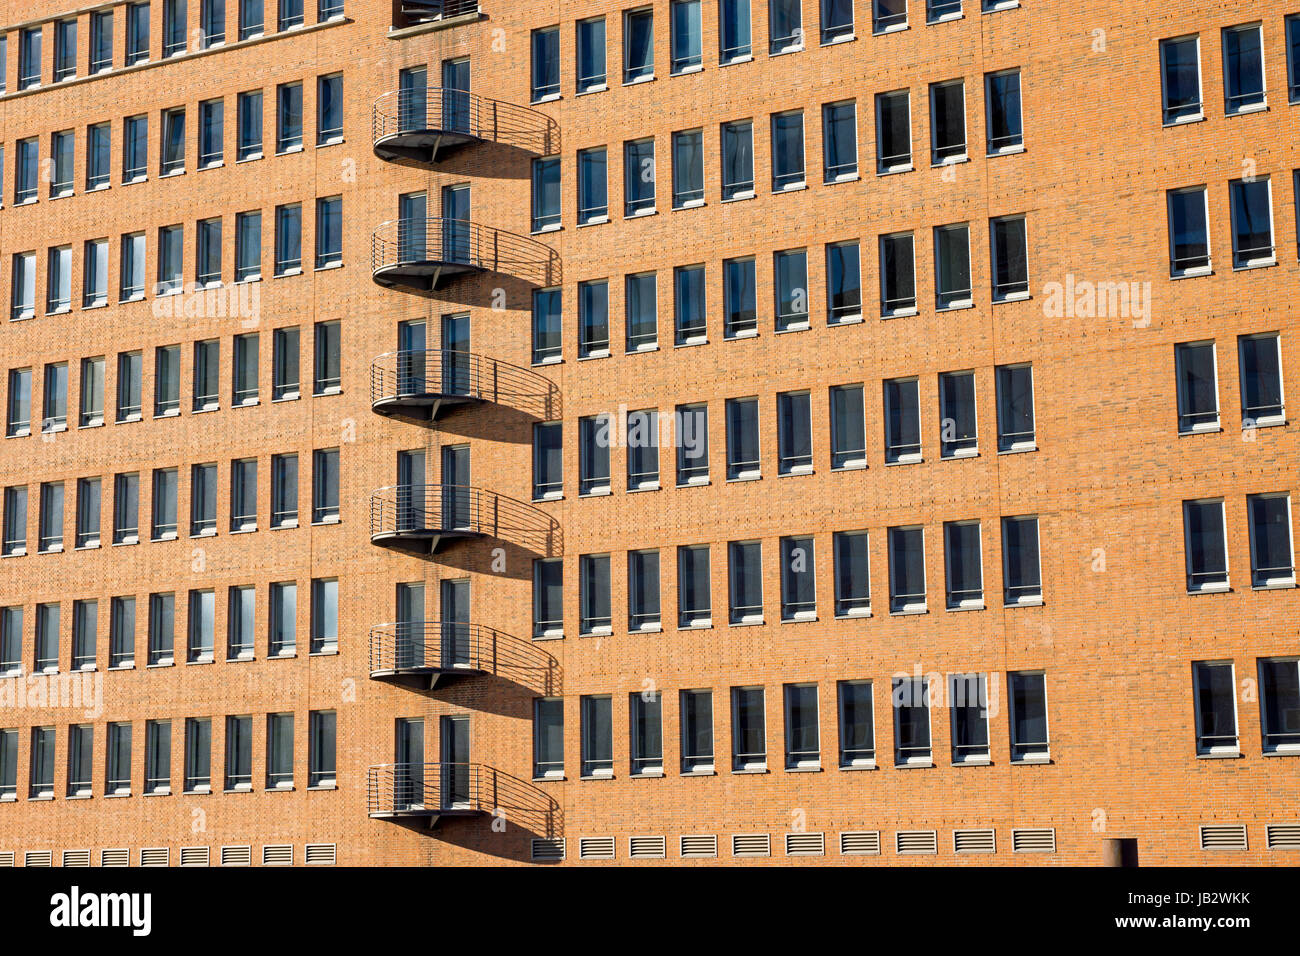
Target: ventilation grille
(1223, 837)
(320, 854)
(76, 858)
(236, 856)
(1283, 836)
(116, 857)
(805, 844)
(596, 848)
(973, 841)
(195, 856)
(699, 845)
(860, 843)
(278, 855)
(916, 841)
(1034, 841)
(38, 858)
(647, 847)
(7, 858)
(751, 844)
(155, 856)
(546, 850)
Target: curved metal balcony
(425, 124)
(421, 519)
(424, 255)
(424, 654)
(430, 791)
(422, 385)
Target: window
(638, 46)
(284, 491)
(202, 626)
(50, 529)
(279, 751)
(593, 186)
(791, 270)
(952, 275)
(137, 33)
(1252, 222)
(743, 457)
(284, 619)
(692, 438)
(645, 713)
(740, 316)
(329, 109)
(1015, 401)
(58, 280)
(937, 11)
(1280, 704)
(548, 737)
(1010, 247)
(240, 623)
(1021, 574)
(643, 599)
(548, 597)
(748, 729)
(947, 122)
(1261, 380)
(1197, 384)
(92, 392)
(546, 64)
(174, 26)
(325, 616)
(239, 753)
(794, 433)
(243, 495)
(94, 290)
(688, 169)
(639, 177)
(852, 578)
(897, 275)
(546, 194)
(207, 368)
(1214, 689)
(911, 722)
(208, 253)
(597, 736)
(802, 732)
(694, 603)
(167, 380)
(691, 322)
(133, 267)
(29, 58)
(98, 148)
(798, 579)
(65, 50)
(164, 504)
(787, 151)
(745, 581)
(284, 364)
(321, 748)
(888, 15)
(687, 52)
(697, 731)
(329, 232)
(291, 14)
(902, 421)
(20, 403)
(249, 142)
(212, 23)
(840, 141)
(844, 283)
(738, 160)
(173, 141)
(893, 132)
(328, 358)
(857, 724)
(101, 41)
(162, 629)
(23, 288)
(957, 425)
(1207, 556)
(288, 119)
(126, 508)
(62, 150)
(211, 133)
(1243, 69)
(593, 455)
(906, 570)
(1029, 740)
(42, 764)
(1272, 558)
(198, 755)
(734, 39)
(593, 583)
(121, 633)
(1189, 237)
(15, 521)
(1293, 58)
(548, 471)
(785, 26)
(170, 244)
(11, 643)
(129, 370)
(47, 638)
(252, 16)
(591, 55)
(1180, 69)
(245, 372)
(28, 168)
(642, 450)
(85, 618)
(1005, 129)
(325, 486)
(288, 239)
(117, 765)
(641, 312)
(135, 149)
(203, 500)
(968, 709)
(88, 507)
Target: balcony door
(410, 625)
(455, 96)
(411, 508)
(456, 501)
(412, 343)
(455, 763)
(455, 623)
(413, 99)
(456, 246)
(408, 781)
(412, 230)
(455, 354)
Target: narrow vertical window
(963, 565)
(748, 729)
(1029, 739)
(902, 421)
(1243, 69)
(857, 724)
(690, 323)
(1215, 694)
(1189, 237)
(787, 151)
(745, 581)
(1272, 555)
(638, 46)
(1021, 572)
(546, 64)
(1196, 371)
(697, 731)
(645, 714)
(911, 699)
(686, 39)
(738, 160)
(906, 570)
(743, 457)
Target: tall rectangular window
(1029, 739)
(329, 232)
(162, 629)
(968, 710)
(1272, 556)
(688, 168)
(121, 633)
(593, 455)
(593, 319)
(790, 268)
(243, 495)
(198, 755)
(642, 450)
(19, 418)
(591, 55)
(88, 512)
(117, 762)
(329, 109)
(322, 738)
(743, 456)
(212, 23)
(174, 27)
(245, 387)
(906, 570)
(593, 186)
(958, 427)
(639, 177)
(284, 619)
(248, 144)
(164, 504)
(843, 283)
(798, 579)
(135, 149)
(837, 20)
(173, 141)
(65, 50)
(239, 753)
(697, 731)
(328, 353)
(785, 26)
(597, 736)
(1015, 407)
(1262, 401)
(1022, 579)
(643, 597)
(279, 751)
(241, 623)
(98, 152)
(126, 508)
(734, 32)
(745, 581)
(29, 58)
(284, 364)
(952, 273)
(897, 275)
(284, 491)
(548, 737)
(687, 40)
(94, 281)
(911, 700)
(852, 574)
(288, 117)
(202, 627)
(690, 320)
(802, 729)
(1279, 682)
(167, 380)
(546, 64)
(101, 41)
(857, 724)
(211, 133)
(947, 122)
(1003, 122)
(794, 433)
(137, 33)
(325, 616)
(48, 621)
(207, 369)
(92, 392)
(129, 372)
(1189, 237)
(1009, 243)
(548, 345)
(132, 267)
(41, 786)
(738, 160)
(325, 486)
(50, 528)
(85, 624)
(694, 602)
(203, 499)
(692, 439)
(641, 319)
(1196, 371)
(1293, 58)
(638, 45)
(787, 151)
(291, 14)
(1252, 222)
(888, 15)
(740, 308)
(548, 461)
(902, 421)
(1243, 69)
(1180, 73)
(27, 170)
(58, 280)
(546, 194)
(170, 246)
(11, 642)
(288, 239)
(893, 132)
(207, 264)
(1214, 690)
(63, 148)
(15, 521)
(548, 598)
(840, 141)
(748, 729)
(963, 564)
(593, 594)
(252, 18)
(645, 715)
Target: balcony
(422, 519)
(420, 126)
(423, 385)
(425, 654)
(412, 13)
(428, 792)
(424, 255)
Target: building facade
(705, 431)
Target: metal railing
(458, 787)
(457, 374)
(458, 112)
(439, 645)
(424, 11)
(458, 242)
(451, 509)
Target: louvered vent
(7, 858)
(76, 858)
(115, 857)
(547, 850)
(751, 844)
(699, 845)
(156, 856)
(916, 841)
(647, 847)
(1034, 841)
(596, 848)
(1223, 837)
(860, 843)
(236, 856)
(38, 858)
(1283, 836)
(195, 856)
(805, 844)
(973, 841)
(278, 855)
(320, 854)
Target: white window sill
(816, 769)
(1018, 450)
(595, 88)
(1184, 120)
(908, 460)
(908, 611)
(747, 623)
(652, 487)
(702, 626)
(792, 188)
(969, 607)
(744, 58)
(548, 98)
(1219, 755)
(836, 321)
(594, 355)
(694, 483)
(557, 227)
(1246, 110)
(548, 361)
(700, 772)
(1031, 761)
(1285, 750)
(597, 493)
(1193, 273)
(641, 213)
(646, 774)
(549, 636)
(854, 615)
(950, 161)
(323, 786)
(646, 629)
(918, 764)
(598, 776)
(866, 765)
(1026, 602)
(594, 221)
(740, 197)
(158, 793)
(636, 80)
(548, 778)
(796, 472)
(960, 454)
(1012, 297)
(1005, 151)
(690, 204)
(973, 762)
(1249, 266)
(749, 770)
(689, 343)
(1211, 589)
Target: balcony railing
(426, 254)
(434, 790)
(420, 519)
(420, 125)
(426, 11)
(422, 384)
(426, 654)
